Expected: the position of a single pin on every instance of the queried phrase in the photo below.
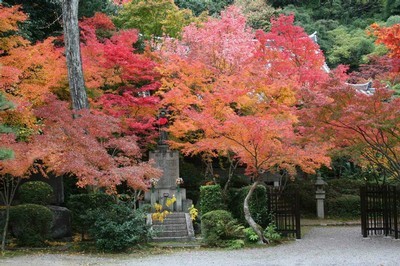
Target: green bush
(211, 199)
(345, 206)
(30, 224)
(306, 190)
(258, 204)
(118, 227)
(81, 204)
(35, 192)
(271, 233)
(250, 235)
(218, 226)
(344, 186)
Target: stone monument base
(160, 195)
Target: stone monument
(169, 183)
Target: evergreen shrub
(30, 224)
(35, 192)
(258, 204)
(118, 227)
(218, 226)
(344, 206)
(81, 204)
(211, 199)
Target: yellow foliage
(170, 201)
(193, 212)
(160, 214)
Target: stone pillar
(153, 197)
(178, 200)
(320, 196)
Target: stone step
(174, 233)
(169, 227)
(173, 239)
(170, 221)
(176, 214)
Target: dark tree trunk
(73, 54)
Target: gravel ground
(342, 245)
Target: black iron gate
(380, 210)
(285, 209)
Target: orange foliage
(389, 36)
(40, 68)
(9, 19)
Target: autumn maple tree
(365, 127)
(123, 81)
(233, 91)
(390, 38)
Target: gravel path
(320, 246)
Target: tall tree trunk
(247, 215)
(73, 54)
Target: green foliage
(211, 198)
(218, 226)
(341, 47)
(30, 224)
(192, 179)
(392, 7)
(213, 7)
(153, 18)
(5, 105)
(35, 192)
(257, 12)
(6, 154)
(393, 20)
(271, 234)
(80, 206)
(349, 47)
(88, 8)
(234, 244)
(250, 235)
(306, 190)
(118, 227)
(44, 18)
(344, 186)
(344, 206)
(258, 204)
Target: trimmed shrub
(218, 226)
(211, 199)
(35, 192)
(346, 206)
(306, 189)
(118, 227)
(344, 186)
(258, 205)
(30, 224)
(81, 204)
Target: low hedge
(344, 206)
(30, 224)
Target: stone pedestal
(320, 197)
(166, 187)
